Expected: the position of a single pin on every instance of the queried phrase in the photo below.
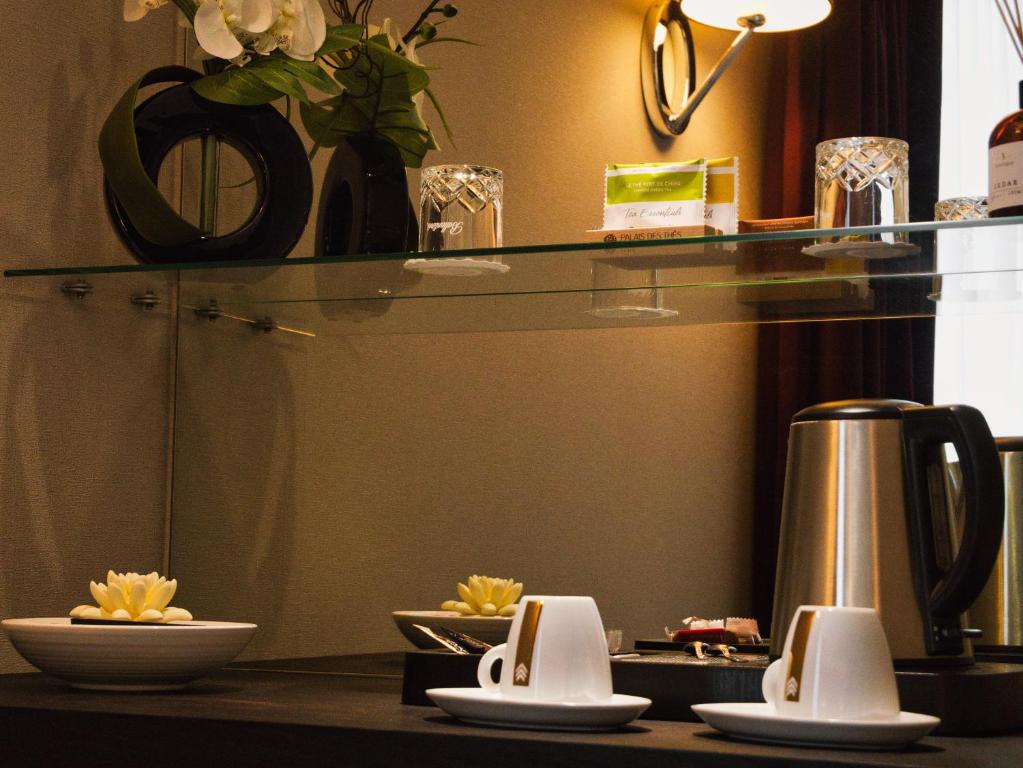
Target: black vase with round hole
(263, 137)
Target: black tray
(1010, 654)
(985, 698)
(660, 644)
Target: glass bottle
(1005, 165)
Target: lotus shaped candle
(133, 597)
(486, 596)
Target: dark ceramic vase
(364, 209)
(262, 136)
(364, 202)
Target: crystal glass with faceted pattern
(960, 251)
(960, 209)
(862, 181)
(460, 207)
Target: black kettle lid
(854, 409)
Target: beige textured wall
(313, 477)
(331, 481)
(85, 385)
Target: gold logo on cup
(527, 639)
(800, 638)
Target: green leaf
(312, 73)
(409, 134)
(334, 101)
(378, 63)
(138, 195)
(395, 64)
(340, 38)
(328, 126)
(379, 85)
(384, 97)
(265, 79)
(317, 123)
(411, 149)
(236, 86)
(425, 43)
(395, 109)
(382, 40)
(275, 74)
(355, 80)
(440, 114)
(381, 82)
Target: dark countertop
(256, 717)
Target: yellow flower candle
(133, 597)
(486, 596)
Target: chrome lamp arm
(659, 110)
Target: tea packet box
(673, 196)
(722, 200)
(655, 194)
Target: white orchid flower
(133, 597)
(136, 9)
(220, 23)
(300, 28)
(264, 43)
(411, 54)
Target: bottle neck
(1021, 94)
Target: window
(979, 328)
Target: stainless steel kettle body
(865, 521)
(999, 609)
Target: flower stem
(414, 30)
(210, 175)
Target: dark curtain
(873, 68)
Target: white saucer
(476, 705)
(630, 313)
(861, 249)
(456, 266)
(761, 722)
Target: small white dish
(631, 313)
(761, 722)
(120, 657)
(861, 249)
(476, 705)
(490, 629)
(456, 267)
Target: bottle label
(1005, 176)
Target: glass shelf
(913, 270)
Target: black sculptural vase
(260, 134)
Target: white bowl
(489, 629)
(121, 657)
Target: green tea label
(655, 194)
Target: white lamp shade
(781, 15)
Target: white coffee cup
(556, 651)
(836, 665)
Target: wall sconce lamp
(668, 64)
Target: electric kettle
(866, 522)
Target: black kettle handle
(949, 593)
